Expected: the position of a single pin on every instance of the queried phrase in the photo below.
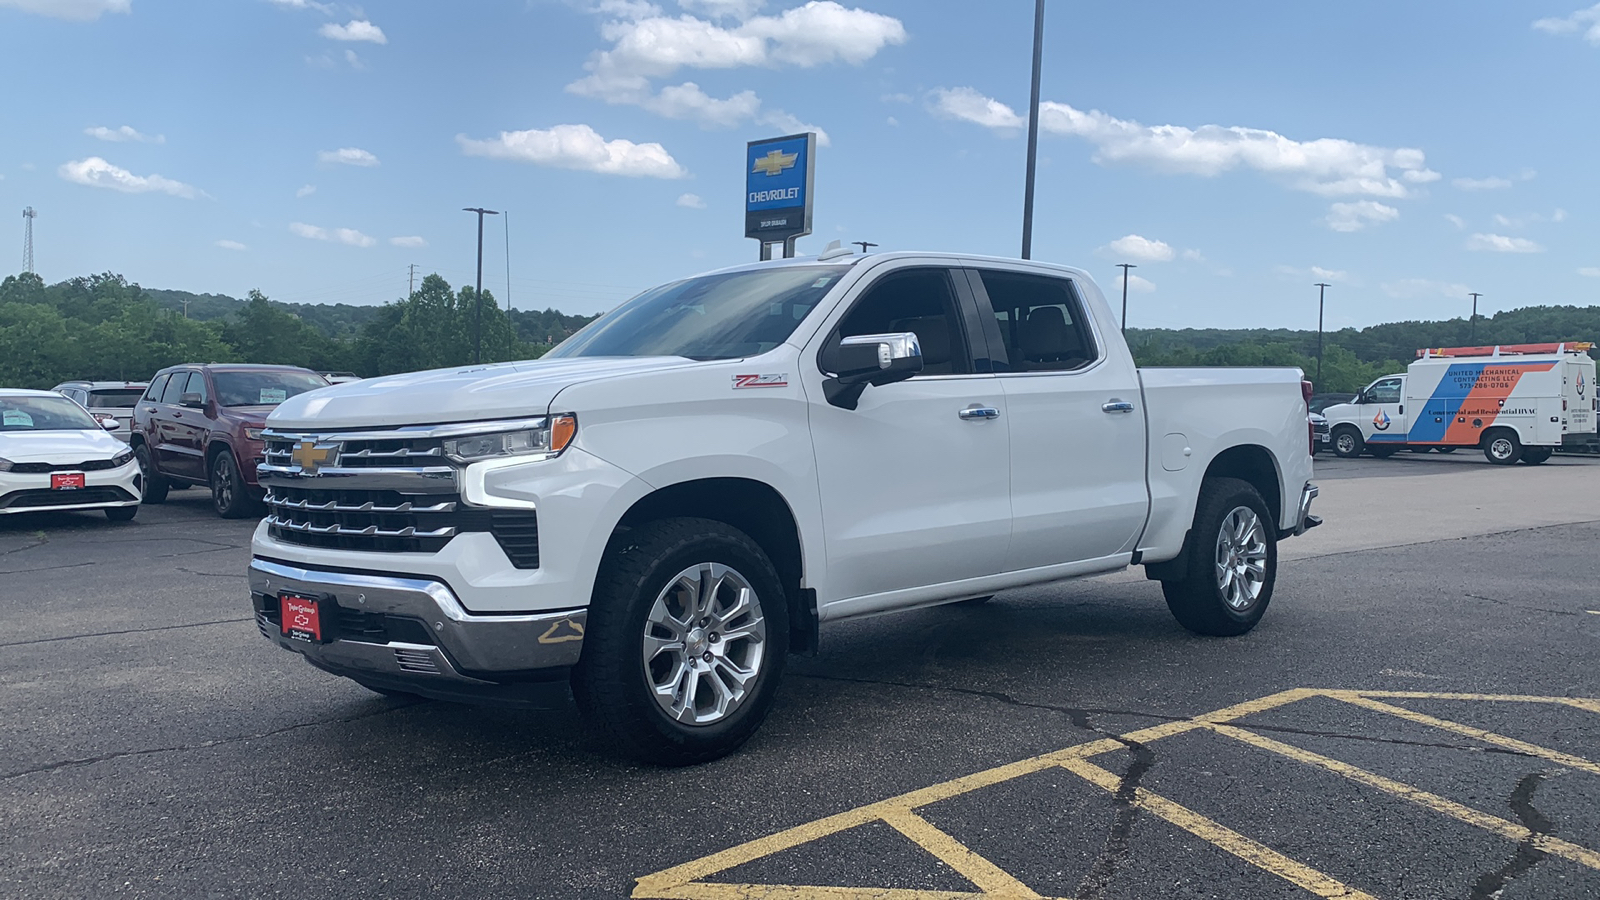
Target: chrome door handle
(979, 412)
(1117, 406)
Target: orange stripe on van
(1482, 404)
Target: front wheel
(1502, 448)
(687, 637)
(1534, 456)
(155, 484)
(228, 492)
(1232, 561)
(1347, 443)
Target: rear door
(1075, 416)
(175, 450)
(915, 480)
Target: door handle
(1117, 406)
(979, 412)
(177, 415)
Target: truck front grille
(391, 522)
(374, 453)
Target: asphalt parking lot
(1416, 717)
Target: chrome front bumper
(469, 654)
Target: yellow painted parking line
(706, 890)
(1440, 695)
(1582, 703)
(1552, 845)
(1249, 850)
(993, 880)
(1488, 737)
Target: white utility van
(1516, 402)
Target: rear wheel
(1232, 561)
(1419, 449)
(687, 637)
(155, 484)
(121, 513)
(1446, 449)
(1347, 442)
(1534, 456)
(229, 494)
(1502, 447)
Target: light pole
(1472, 324)
(1033, 130)
(477, 296)
(1125, 267)
(864, 245)
(1321, 290)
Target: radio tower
(28, 215)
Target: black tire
(229, 494)
(1534, 456)
(121, 513)
(1502, 447)
(1198, 601)
(1445, 449)
(1347, 442)
(1381, 452)
(1419, 449)
(155, 484)
(614, 685)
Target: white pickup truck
(669, 503)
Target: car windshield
(725, 316)
(264, 388)
(115, 398)
(43, 414)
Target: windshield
(263, 388)
(43, 414)
(118, 398)
(712, 317)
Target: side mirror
(872, 359)
(108, 423)
(191, 400)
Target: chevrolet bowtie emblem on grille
(775, 162)
(310, 457)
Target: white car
(55, 456)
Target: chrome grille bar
(369, 507)
(409, 531)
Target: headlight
(5, 465)
(253, 434)
(123, 458)
(547, 440)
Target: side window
(1385, 391)
(1041, 322)
(153, 394)
(197, 385)
(174, 391)
(921, 301)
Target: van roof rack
(1505, 350)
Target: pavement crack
(77, 565)
(203, 745)
(42, 539)
(74, 637)
(1492, 884)
(1117, 846)
(210, 574)
(1498, 601)
(1079, 716)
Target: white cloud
(305, 4)
(357, 30)
(354, 59)
(1590, 271)
(306, 190)
(1456, 220)
(1358, 215)
(348, 156)
(1330, 275)
(1326, 166)
(1143, 249)
(738, 9)
(1422, 288)
(76, 10)
(691, 201)
(1482, 184)
(1499, 243)
(793, 125)
(892, 122)
(687, 101)
(1136, 285)
(410, 242)
(577, 147)
(1584, 20)
(231, 245)
(96, 172)
(1526, 219)
(125, 133)
(334, 235)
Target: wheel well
(1489, 433)
(214, 450)
(1344, 426)
(755, 509)
(1254, 464)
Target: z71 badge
(761, 381)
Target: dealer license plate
(66, 481)
(302, 618)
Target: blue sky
(1407, 152)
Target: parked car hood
(467, 394)
(58, 446)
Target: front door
(915, 481)
(1077, 430)
(1383, 411)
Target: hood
(467, 394)
(58, 446)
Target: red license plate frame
(67, 481)
(301, 618)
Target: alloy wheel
(1241, 558)
(704, 644)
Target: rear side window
(156, 387)
(118, 398)
(174, 391)
(1041, 321)
(197, 385)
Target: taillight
(1306, 392)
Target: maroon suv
(201, 424)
